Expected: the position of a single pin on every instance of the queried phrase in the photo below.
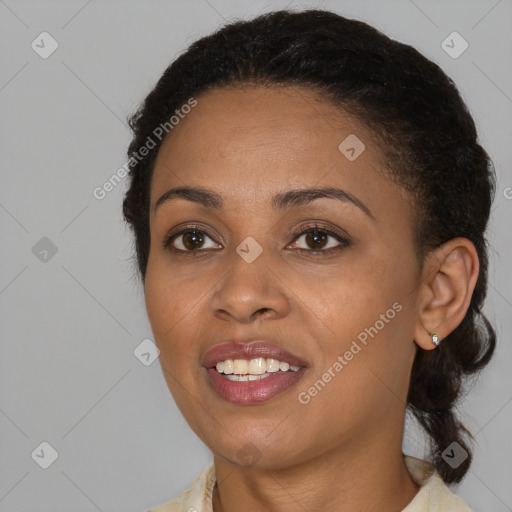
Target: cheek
(366, 315)
(172, 306)
(353, 297)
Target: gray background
(70, 324)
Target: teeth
(284, 367)
(259, 367)
(240, 366)
(228, 366)
(244, 378)
(272, 365)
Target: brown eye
(319, 240)
(192, 240)
(316, 239)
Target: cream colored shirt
(433, 496)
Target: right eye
(190, 239)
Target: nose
(250, 291)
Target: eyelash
(301, 230)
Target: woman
(309, 201)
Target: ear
(448, 279)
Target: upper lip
(249, 350)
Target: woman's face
(252, 280)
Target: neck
(369, 476)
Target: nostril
(261, 312)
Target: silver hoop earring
(435, 339)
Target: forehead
(256, 137)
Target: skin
(342, 450)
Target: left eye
(317, 239)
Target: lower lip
(253, 391)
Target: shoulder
(197, 498)
(434, 495)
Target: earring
(435, 339)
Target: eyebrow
(284, 200)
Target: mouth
(251, 372)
